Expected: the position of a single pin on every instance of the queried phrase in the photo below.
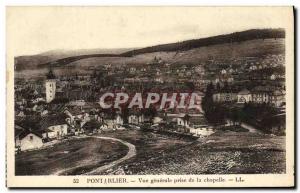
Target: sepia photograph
(150, 96)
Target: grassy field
(86, 152)
(221, 153)
(224, 152)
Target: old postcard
(150, 97)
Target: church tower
(50, 86)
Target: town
(236, 94)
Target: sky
(33, 30)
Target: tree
(150, 112)
(125, 113)
(94, 74)
(226, 87)
(90, 126)
(207, 99)
(190, 85)
(214, 113)
(218, 86)
(234, 116)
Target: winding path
(250, 128)
(131, 152)
(246, 126)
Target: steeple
(50, 86)
(50, 74)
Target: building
(119, 119)
(76, 113)
(20, 113)
(277, 98)
(200, 69)
(203, 130)
(37, 100)
(111, 120)
(136, 118)
(225, 96)
(183, 120)
(263, 94)
(260, 97)
(132, 70)
(25, 139)
(223, 71)
(159, 79)
(253, 67)
(55, 126)
(273, 77)
(244, 96)
(50, 86)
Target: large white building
(244, 96)
(50, 87)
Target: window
(242, 99)
(227, 98)
(30, 137)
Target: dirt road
(131, 152)
(245, 126)
(250, 128)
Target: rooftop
(53, 120)
(50, 75)
(244, 92)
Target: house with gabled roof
(244, 96)
(27, 139)
(225, 95)
(55, 125)
(135, 117)
(277, 98)
(110, 118)
(183, 120)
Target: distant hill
(190, 50)
(221, 39)
(68, 53)
(62, 56)
(227, 51)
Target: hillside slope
(258, 48)
(55, 58)
(194, 56)
(214, 40)
(58, 56)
